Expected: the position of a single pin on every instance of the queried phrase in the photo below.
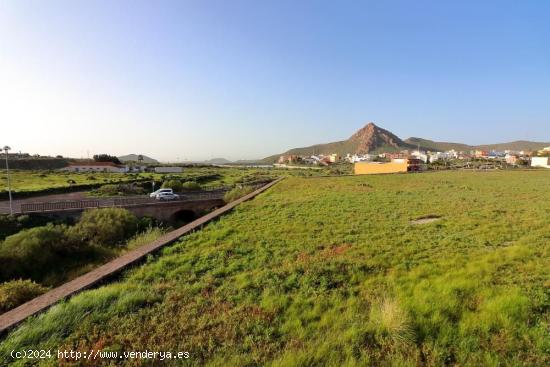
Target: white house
(95, 167)
(168, 169)
(358, 158)
(420, 155)
(540, 162)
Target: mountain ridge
(374, 139)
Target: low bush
(32, 252)
(106, 190)
(104, 227)
(118, 189)
(50, 254)
(17, 292)
(172, 184)
(190, 186)
(10, 224)
(237, 193)
(179, 186)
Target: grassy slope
(329, 271)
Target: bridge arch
(183, 215)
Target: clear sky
(180, 80)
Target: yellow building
(395, 166)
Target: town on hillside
(418, 160)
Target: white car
(167, 196)
(160, 191)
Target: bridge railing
(59, 205)
(116, 202)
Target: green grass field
(207, 177)
(330, 271)
(25, 181)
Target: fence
(116, 202)
(59, 205)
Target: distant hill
(134, 158)
(516, 145)
(373, 139)
(437, 146)
(369, 139)
(216, 161)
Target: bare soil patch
(426, 219)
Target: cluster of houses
(410, 161)
(404, 161)
(321, 159)
(118, 168)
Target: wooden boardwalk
(41, 303)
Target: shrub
(49, 253)
(107, 190)
(104, 227)
(32, 252)
(10, 224)
(146, 222)
(119, 189)
(237, 193)
(190, 186)
(17, 292)
(178, 185)
(175, 185)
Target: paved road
(5, 204)
(103, 201)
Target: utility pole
(7, 149)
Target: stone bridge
(189, 207)
(176, 211)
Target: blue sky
(246, 79)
